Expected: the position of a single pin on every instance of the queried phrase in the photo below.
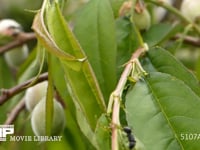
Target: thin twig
(116, 96)
(176, 12)
(15, 112)
(188, 39)
(8, 93)
(20, 40)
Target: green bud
(142, 20)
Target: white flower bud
(191, 9)
(34, 94)
(15, 57)
(38, 118)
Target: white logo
(9, 129)
(5, 130)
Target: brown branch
(188, 39)
(20, 40)
(15, 112)
(8, 93)
(117, 94)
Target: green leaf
(197, 68)
(30, 67)
(95, 30)
(125, 38)
(127, 41)
(81, 84)
(72, 132)
(161, 109)
(162, 61)
(61, 3)
(116, 4)
(157, 33)
(60, 84)
(102, 131)
(45, 38)
(85, 127)
(49, 107)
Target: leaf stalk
(115, 97)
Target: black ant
(130, 137)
